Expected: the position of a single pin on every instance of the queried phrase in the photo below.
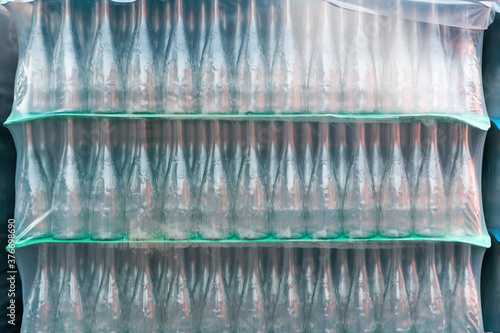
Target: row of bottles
(251, 56)
(249, 180)
(418, 287)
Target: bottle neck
(324, 134)
(179, 10)
(143, 11)
(359, 263)
(177, 135)
(288, 134)
(66, 10)
(105, 135)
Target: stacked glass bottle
(246, 122)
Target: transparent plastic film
(350, 287)
(131, 180)
(250, 59)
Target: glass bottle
(251, 212)
(272, 279)
(216, 310)
(376, 280)
(288, 193)
(411, 277)
(306, 153)
(360, 308)
(72, 313)
(215, 88)
(70, 85)
(466, 315)
(269, 24)
(324, 84)
(339, 156)
(234, 137)
(430, 200)
(253, 87)
(108, 315)
(376, 160)
(200, 153)
(69, 204)
(395, 206)
(33, 77)
(287, 75)
(397, 88)
(105, 90)
(107, 201)
(33, 195)
(306, 276)
(179, 307)
(450, 152)
(464, 208)
(432, 84)
(324, 199)
(144, 314)
(166, 27)
(179, 80)
(430, 309)
(252, 314)
(415, 157)
(141, 209)
(396, 310)
(359, 72)
(130, 280)
(342, 278)
(165, 153)
(214, 194)
(360, 208)
(177, 210)
(142, 68)
(165, 279)
(96, 279)
(288, 312)
(325, 315)
(448, 277)
(39, 313)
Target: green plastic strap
(477, 121)
(481, 241)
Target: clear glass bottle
(251, 211)
(216, 309)
(360, 308)
(376, 280)
(430, 310)
(464, 208)
(325, 314)
(288, 220)
(324, 204)
(269, 24)
(342, 276)
(215, 85)
(324, 83)
(179, 307)
(144, 314)
(305, 152)
(306, 275)
(33, 77)
(359, 72)
(107, 201)
(253, 86)
(448, 277)
(411, 277)
(340, 159)
(430, 199)
(360, 208)
(70, 91)
(142, 205)
(288, 81)
(272, 279)
(414, 159)
(72, 315)
(396, 310)
(395, 206)
(105, 82)
(466, 315)
(39, 313)
(214, 195)
(252, 316)
(179, 78)
(177, 191)
(376, 159)
(96, 279)
(108, 315)
(165, 34)
(69, 200)
(165, 153)
(288, 312)
(33, 193)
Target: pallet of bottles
(355, 287)
(147, 179)
(219, 57)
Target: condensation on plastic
(490, 287)
(491, 181)
(100, 180)
(260, 72)
(357, 286)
